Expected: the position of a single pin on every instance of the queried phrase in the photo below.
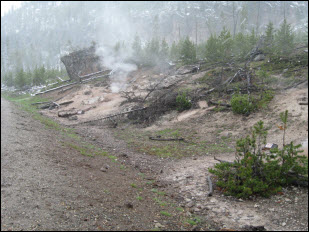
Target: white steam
(115, 27)
(120, 68)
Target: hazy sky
(6, 5)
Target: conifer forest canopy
(35, 35)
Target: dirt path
(47, 186)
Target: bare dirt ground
(48, 186)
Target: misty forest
(36, 35)
(154, 115)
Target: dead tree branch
(210, 186)
(219, 104)
(168, 139)
(114, 115)
(222, 161)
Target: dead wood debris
(210, 186)
(222, 161)
(68, 113)
(167, 139)
(52, 105)
(219, 104)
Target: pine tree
(252, 38)
(269, 38)
(164, 50)
(39, 76)
(284, 39)
(174, 52)
(151, 52)
(137, 48)
(225, 44)
(212, 49)
(188, 52)
(117, 48)
(241, 46)
(20, 80)
(8, 79)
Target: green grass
(113, 158)
(154, 190)
(164, 213)
(133, 185)
(82, 150)
(150, 182)
(141, 174)
(161, 193)
(138, 140)
(161, 203)
(155, 229)
(193, 221)
(169, 132)
(24, 103)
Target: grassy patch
(154, 190)
(164, 213)
(222, 147)
(113, 158)
(169, 132)
(82, 150)
(133, 185)
(155, 229)
(139, 141)
(161, 203)
(24, 103)
(193, 221)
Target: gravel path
(48, 186)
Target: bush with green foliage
(256, 173)
(183, 102)
(242, 104)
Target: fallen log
(219, 104)
(303, 103)
(91, 74)
(168, 139)
(114, 115)
(65, 103)
(207, 92)
(93, 78)
(51, 105)
(210, 186)
(222, 161)
(294, 85)
(64, 90)
(47, 102)
(45, 106)
(66, 114)
(74, 83)
(37, 103)
(59, 87)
